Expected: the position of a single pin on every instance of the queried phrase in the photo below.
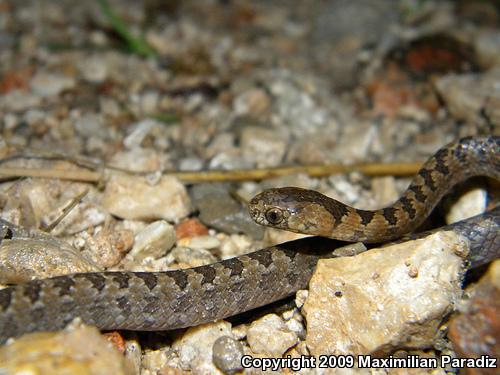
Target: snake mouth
(254, 213)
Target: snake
(160, 301)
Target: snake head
(293, 209)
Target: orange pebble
(116, 339)
(190, 228)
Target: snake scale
(151, 301)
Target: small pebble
(152, 360)
(192, 257)
(200, 242)
(471, 203)
(149, 102)
(227, 353)
(94, 69)
(384, 190)
(133, 354)
(133, 198)
(190, 228)
(45, 84)
(253, 102)
(235, 245)
(154, 240)
(107, 247)
(195, 347)
(191, 164)
(139, 132)
(266, 147)
(270, 336)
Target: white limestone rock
(195, 347)
(133, 197)
(385, 298)
(270, 336)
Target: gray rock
(472, 97)
(226, 354)
(487, 47)
(219, 210)
(154, 240)
(263, 146)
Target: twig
(66, 210)
(369, 169)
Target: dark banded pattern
(309, 212)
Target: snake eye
(274, 215)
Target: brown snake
(151, 301)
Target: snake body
(151, 301)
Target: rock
(472, 97)
(133, 354)
(19, 101)
(154, 240)
(78, 350)
(475, 331)
(94, 69)
(116, 339)
(221, 142)
(140, 131)
(141, 159)
(195, 347)
(23, 259)
(200, 242)
(149, 102)
(191, 164)
(159, 362)
(384, 190)
(107, 247)
(265, 147)
(192, 257)
(45, 84)
(358, 140)
(131, 197)
(85, 215)
(384, 299)
(295, 324)
(235, 245)
(340, 29)
(270, 336)
(487, 45)
(273, 236)
(295, 105)
(227, 353)
(254, 102)
(190, 228)
(472, 202)
(219, 210)
(229, 160)
(90, 125)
